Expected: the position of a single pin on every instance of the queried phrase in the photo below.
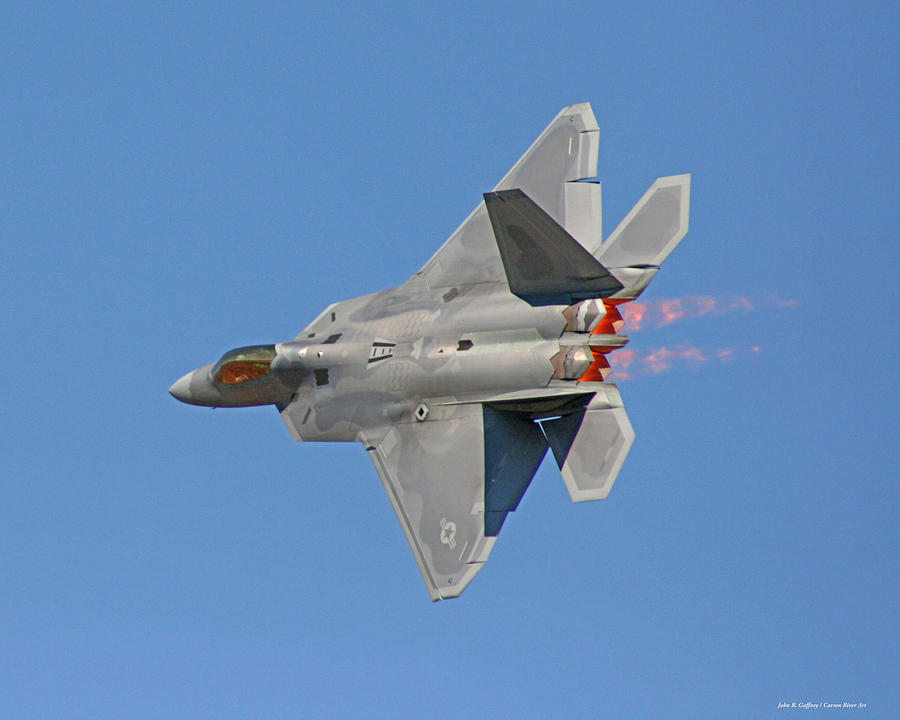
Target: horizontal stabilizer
(544, 264)
(590, 447)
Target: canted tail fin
(648, 234)
(549, 263)
(590, 445)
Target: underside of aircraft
(458, 381)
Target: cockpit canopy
(243, 364)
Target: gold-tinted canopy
(243, 364)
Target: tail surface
(544, 264)
(564, 153)
(648, 234)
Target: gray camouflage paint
(442, 379)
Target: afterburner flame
(628, 364)
(659, 313)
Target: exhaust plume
(659, 313)
(629, 363)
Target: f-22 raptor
(458, 381)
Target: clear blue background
(178, 179)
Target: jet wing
(566, 151)
(452, 478)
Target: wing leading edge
(564, 152)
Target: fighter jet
(457, 382)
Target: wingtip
(577, 108)
(683, 178)
(585, 111)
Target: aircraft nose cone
(181, 389)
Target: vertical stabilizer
(590, 445)
(648, 234)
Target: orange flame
(656, 314)
(659, 313)
(628, 364)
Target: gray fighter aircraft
(458, 381)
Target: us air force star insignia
(448, 533)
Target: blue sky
(182, 179)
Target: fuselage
(378, 359)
